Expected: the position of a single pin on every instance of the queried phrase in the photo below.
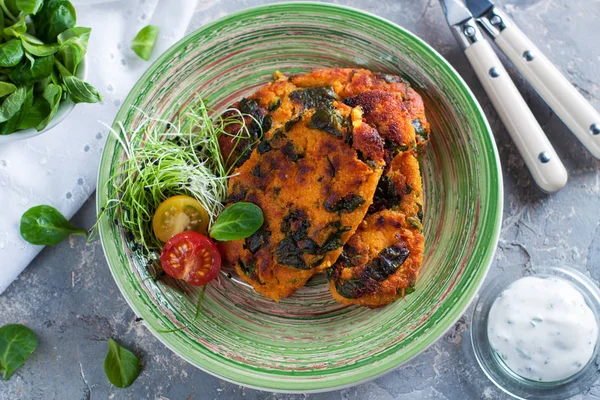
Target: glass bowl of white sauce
(535, 332)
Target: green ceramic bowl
(308, 342)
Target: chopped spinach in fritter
(289, 151)
(267, 123)
(296, 243)
(295, 223)
(414, 221)
(289, 254)
(393, 148)
(247, 269)
(386, 196)
(386, 263)
(347, 203)
(256, 171)
(314, 97)
(350, 288)
(420, 131)
(248, 106)
(274, 105)
(263, 147)
(237, 193)
(334, 240)
(410, 289)
(328, 121)
(295, 226)
(290, 123)
(257, 126)
(257, 240)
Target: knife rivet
(595, 129)
(544, 157)
(469, 31)
(496, 20)
(528, 55)
(494, 73)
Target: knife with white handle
(564, 99)
(533, 145)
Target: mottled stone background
(69, 298)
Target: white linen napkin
(59, 167)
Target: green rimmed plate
(308, 342)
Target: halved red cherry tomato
(192, 257)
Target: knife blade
(561, 96)
(533, 145)
(479, 7)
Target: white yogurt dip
(543, 329)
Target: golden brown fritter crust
(313, 191)
(386, 127)
(382, 259)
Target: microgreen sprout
(166, 158)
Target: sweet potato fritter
(313, 184)
(380, 262)
(327, 137)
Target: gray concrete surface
(69, 298)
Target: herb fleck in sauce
(543, 329)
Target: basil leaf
(40, 50)
(17, 342)
(11, 53)
(52, 95)
(29, 6)
(73, 46)
(121, 366)
(6, 88)
(35, 114)
(80, 91)
(55, 17)
(31, 60)
(17, 29)
(39, 86)
(11, 7)
(30, 38)
(12, 124)
(62, 70)
(45, 225)
(26, 74)
(238, 221)
(12, 104)
(144, 41)
(78, 32)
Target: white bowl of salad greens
(42, 66)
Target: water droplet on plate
(86, 148)
(80, 181)
(99, 135)
(109, 88)
(68, 195)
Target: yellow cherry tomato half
(178, 214)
